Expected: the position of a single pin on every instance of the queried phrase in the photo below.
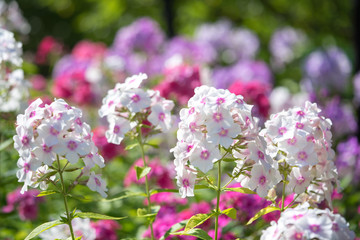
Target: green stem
(64, 193)
(146, 181)
(218, 201)
(283, 195)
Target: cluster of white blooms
(13, 87)
(302, 138)
(127, 105)
(214, 119)
(304, 223)
(46, 132)
(81, 227)
(12, 19)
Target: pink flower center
(298, 235)
(97, 182)
(161, 116)
(25, 140)
(204, 154)
(261, 155)
(239, 101)
(192, 126)
(223, 132)
(110, 103)
(310, 138)
(32, 114)
(135, 98)
(185, 182)
(300, 113)
(300, 180)
(262, 180)
(72, 145)
(297, 216)
(218, 117)
(292, 141)
(53, 131)
(78, 121)
(58, 115)
(335, 227)
(68, 107)
(299, 125)
(189, 147)
(282, 130)
(192, 110)
(302, 156)
(220, 101)
(315, 228)
(26, 167)
(116, 129)
(46, 148)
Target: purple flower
(190, 51)
(26, 204)
(140, 45)
(243, 71)
(238, 43)
(105, 229)
(285, 44)
(326, 69)
(339, 114)
(348, 159)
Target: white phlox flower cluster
(46, 132)
(81, 227)
(300, 139)
(214, 119)
(13, 87)
(304, 223)
(127, 104)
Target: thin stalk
(218, 201)
(64, 193)
(283, 195)
(146, 181)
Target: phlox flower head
(304, 223)
(26, 204)
(214, 119)
(127, 105)
(48, 132)
(301, 137)
(14, 88)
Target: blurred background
(277, 54)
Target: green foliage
(262, 212)
(197, 220)
(92, 215)
(196, 232)
(142, 171)
(42, 228)
(230, 212)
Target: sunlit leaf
(262, 212)
(43, 227)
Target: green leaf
(230, 212)
(42, 228)
(125, 194)
(203, 186)
(96, 216)
(5, 144)
(142, 171)
(76, 238)
(197, 220)
(72, 169)
(45, 176)
(155, 191)
(143, 212)
(131, 146)
(174, 228)
(47, 192)
(262, 212)
(229, 159)
(196, 232)
(240, 190)
(152, 145)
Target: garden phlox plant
(51, 139)
(300, 140)
(132, 111)
(304, 223)
(14, 88)
(218, 125)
